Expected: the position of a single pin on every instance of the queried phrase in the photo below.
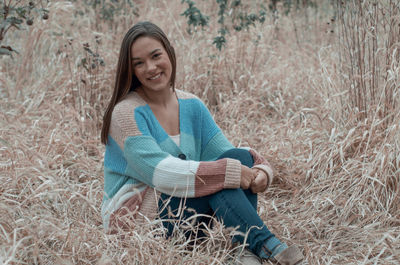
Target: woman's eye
(137, 64)
(156, 55)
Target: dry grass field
(316, 92)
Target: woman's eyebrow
(151, 53)
(155, 50)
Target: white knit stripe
(176, 177)
(113, 204)
(245, 148)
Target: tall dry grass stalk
(287, 93)
(369, 35)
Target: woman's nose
(151, 66)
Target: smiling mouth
(155, 77)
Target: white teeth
(155, 77)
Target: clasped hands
(254, 179)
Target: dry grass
(337, 192)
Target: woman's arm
(174, 176)
(148, 163)
(216, 143)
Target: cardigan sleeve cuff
(232, 174)
(268, 170)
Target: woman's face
(151, 64)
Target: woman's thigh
(246, 159)
(197, 210)
(176, 211)
(177, 208)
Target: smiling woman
(164, 150)
(153, 69)
(151, 64)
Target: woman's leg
(176, 211)
(201, 205)
(246, 159)
(184, 208)
(234, 207)
(234, 210)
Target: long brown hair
(125, 79)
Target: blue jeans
(233, 207)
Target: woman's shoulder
(123, 122)
(185, 95)
(129, 102)
(127, 105)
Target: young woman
(163, 149)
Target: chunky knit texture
(141, 160)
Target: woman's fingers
(247, 177)
(254, 179)
(260, 183)
(245, 184)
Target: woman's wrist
(232, 174)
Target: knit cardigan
(141, 160)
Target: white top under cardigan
(176, 139)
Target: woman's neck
(157, 98)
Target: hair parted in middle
(125, 79)
(142, 29)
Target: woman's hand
(260, 182)
(247, 177)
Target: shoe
(248, 258)
(290, 256)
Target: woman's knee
(242, 155)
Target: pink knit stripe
(116, 133)
(149, 207)
(210, 177)
(184, 95)
(123, 121)
(124, 217)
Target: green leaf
(194, 16)
(14, 21)
(236, 3)
(21, 11)
(219, 42)
(5, 52)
